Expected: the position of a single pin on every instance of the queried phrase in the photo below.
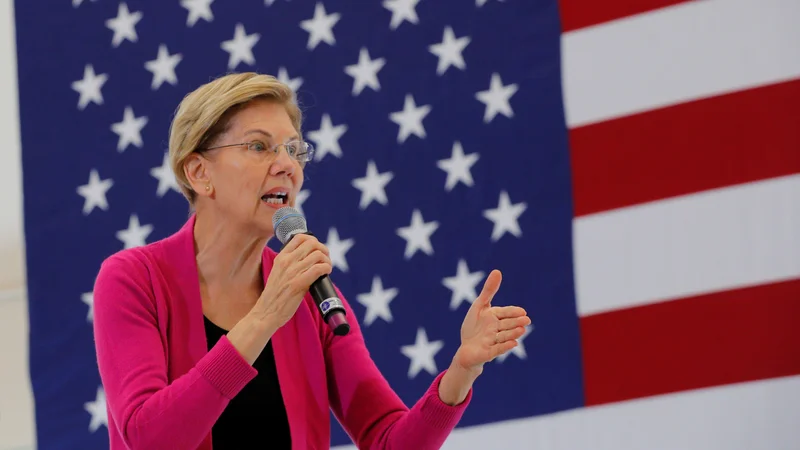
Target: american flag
(630, 167)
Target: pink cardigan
(165, 390)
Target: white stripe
(672, 55)
(756, 415)
(709, 241)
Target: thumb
(490, 288)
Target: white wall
(16, 402)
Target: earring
(208, 187)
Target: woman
(210, 337)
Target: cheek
(244, 183)
(252, 182)
(298, 179)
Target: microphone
(289, 222)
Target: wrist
(250, 335)
(457, 382)
(468, 372)
(263, 325)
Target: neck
(228, 256)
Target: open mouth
(276, 198)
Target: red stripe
(577, 14)
(705, 144)
(727, 337)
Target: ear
(196, 169)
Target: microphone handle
(329, 304)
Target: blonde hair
(205, 113)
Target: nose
(282, 163)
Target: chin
(264, 229)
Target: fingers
(305, 259)
(508, 312)
(303, 244)
(510, 335)
(316, 263)
(308, 275)
(511, 323)
(295, 242)
(312, 253)
(502, 347)
(506, 340)
(315, 271)
(490, 287)
(307, 245)
(304, 249)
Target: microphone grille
(287, 222)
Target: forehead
(267, 116)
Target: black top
(256, 416)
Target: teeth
(276, 198)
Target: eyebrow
(267, 134)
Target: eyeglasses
(299, 150)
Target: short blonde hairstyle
(205, 113)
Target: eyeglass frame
(274, 149)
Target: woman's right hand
(297, 265)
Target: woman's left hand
(489, 331)
(486, 333)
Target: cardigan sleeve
(149, 411)
(368, 408)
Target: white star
(88, 299)
(197, 9)
(519, 350)
(337, 249)
(463, 285)
(124, 25)
(163, 67)
(422, 354)
(94, 193)
(377, 302)
(410, 119)
(365, 72)
(240, 48)
(129, 130)
(135, 235)
(166, 179)
(327, 138)
(505, 217)
(97, 409)
(372, 186)
(458, 167)
(402, 10)
(76, 3)
(449, 51)
(293, 83)
(301, 198)
(90, 87)
(320, 27)
(418, 235)
(496, 99)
